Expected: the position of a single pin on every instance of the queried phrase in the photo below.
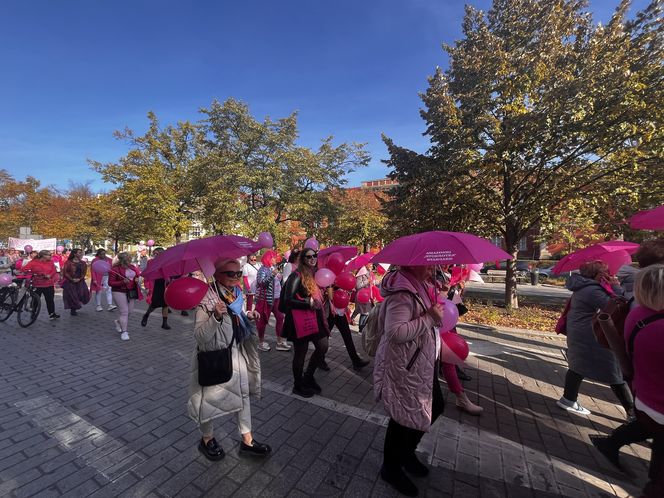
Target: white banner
(37, 244)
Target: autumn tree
(536, 101)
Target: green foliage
(538, 107)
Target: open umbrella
(347, 252)
(652, 219)
(360, 261)
(601, 252)
(199, 254)
(439, 248)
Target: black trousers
(573, 383)
(48, 293)
(400, 441)
(300, 349)
(342, 324)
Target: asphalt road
(544, 294)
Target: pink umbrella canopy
(439, 248)
(347, 252)
(199, 254)
(360, 261)
(602, 252)
(652, 219)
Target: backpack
(617, 308)
(375, 326)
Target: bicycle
(27, 307)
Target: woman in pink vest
(99, 282)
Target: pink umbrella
(652, 219)
(199, 254)
(347, 252)
(601, 252)
(439, 248)
(360, 261)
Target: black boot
(301, 390)
(399, 480)
(309, 382)
(144, 320)
(608, 448)
(413, 466)
(359, 363)
(164, 323)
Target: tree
(535, 103)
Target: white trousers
(106, 289)
(125, 307)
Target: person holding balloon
(100, 267)
(364, 279)
(58, 259)
(124, 284)
(75, 291)
(405, 371)
(44, 278)
(156, 289)
(305, 321)
(268, 289)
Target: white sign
(37, 244)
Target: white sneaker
(124, 336)
(117, 326)
(112, 307)
(572, 406)
(283, 346)
(263, 346)
(99, 308)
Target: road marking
(107, 455)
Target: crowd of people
(242, 296)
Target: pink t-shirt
(648, 383)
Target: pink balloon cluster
(335, 274)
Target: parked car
(522, 268)
(545, 273)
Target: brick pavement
(85, 414)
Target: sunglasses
(311, 256)
(232, 274)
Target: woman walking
(75, 291)
(339, 318)
(156, 291)
(590, 288)
(268, 289)
(405, 372)
(221, 324)
(301, 293)
(99, 282)
(124, 284)
(44, 277)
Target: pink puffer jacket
(406, 355)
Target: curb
(489, 328)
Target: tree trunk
(511, 297)
(178, 237)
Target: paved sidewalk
(85, 414)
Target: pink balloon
(324, 277)
(185, 293)
(5, 280)
(312, 243)
(60, 248)
(450, 315)
(340, 299)
(345, 280)
(101, 266)
(363, 296)
(150, 243)
(265, 239)
(27, 249)
(335, 262)
(454, 348)
(475, 266)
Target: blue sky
(73, 71)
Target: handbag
(617, 308)
(306, 322)
(216, 366)
(561, 324)
(132, 293)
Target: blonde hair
(649, 287)
(124, 258)
(593, 268)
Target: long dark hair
(72, 253)
(307, 273)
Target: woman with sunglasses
(302, 293)
(221, 323)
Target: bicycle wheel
(7, 303)
(28, 309)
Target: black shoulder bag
(216, 367)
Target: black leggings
(300, 354)
(573, 383)
(401, 441)
(48, 293)
(342, 324)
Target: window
(523, 243)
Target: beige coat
(208, 403)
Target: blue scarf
(241, 324)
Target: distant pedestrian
(268, 288)
(99, 282)
(126, 291)
(44, 277)
(249, 274)
(75, 291)
(221, 323)
(291, 265)
(156, 290)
